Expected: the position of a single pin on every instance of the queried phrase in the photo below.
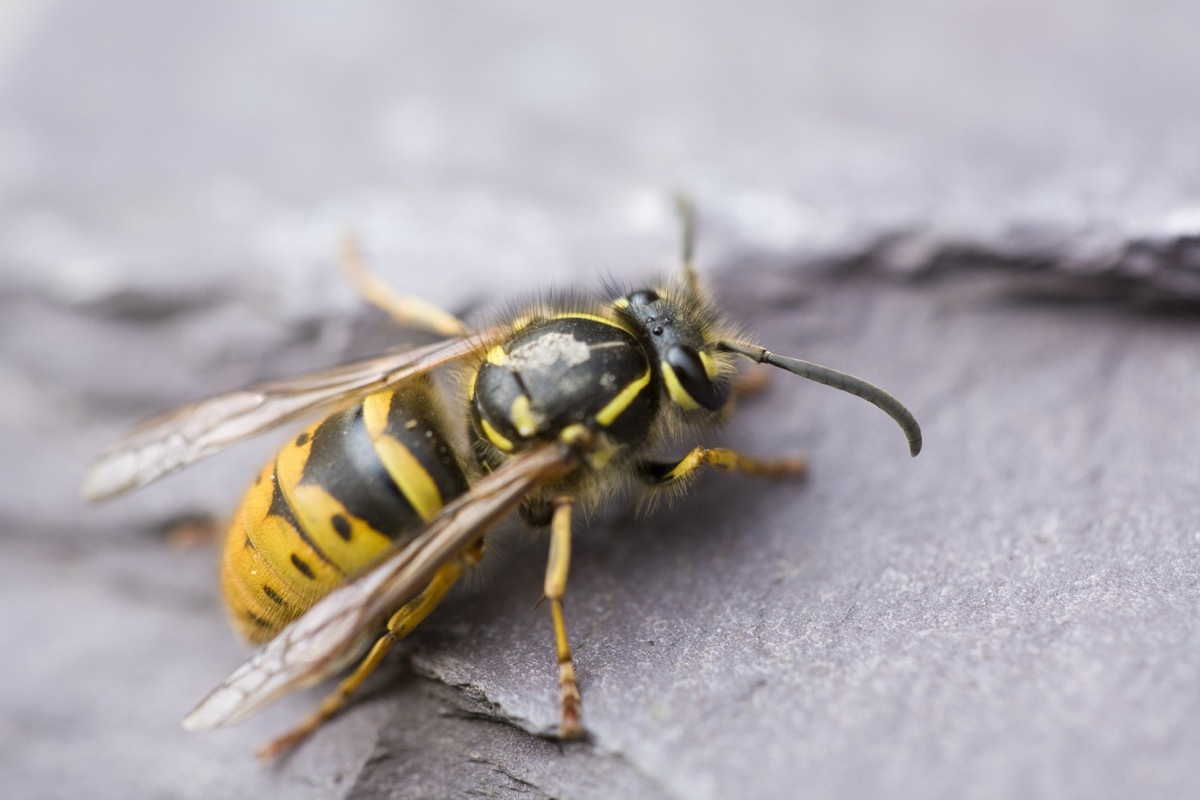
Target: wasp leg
(190, 530)
(407, 311)
(657, 473)
(750, 383)
(557, 566)
(400, 625)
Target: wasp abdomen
(333, 499)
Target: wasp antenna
(687, 223)
(838, 380)
(687, 230)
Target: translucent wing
(314, 646)
(173, 440)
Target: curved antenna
(838, 380)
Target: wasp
(358, 527)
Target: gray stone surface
(991, 209)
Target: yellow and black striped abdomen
(332, 501)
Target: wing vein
(171, 441)
(313, 647)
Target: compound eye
(643, 297)
(689, 370)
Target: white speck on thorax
(550, 350)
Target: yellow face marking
(410, 475)
(613, 408)
(522, 418)
(710, 368)
(621, 302)
(675, 389)
(494, 436)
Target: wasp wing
(173, 440)
(314, 646)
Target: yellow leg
(400, 625)
(407, 311)
(330, 705)
(745, 384)
(187, 531)
(666, 474)
(750, 383)
(557, 566)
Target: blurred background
(990, 208)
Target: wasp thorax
(576, 369)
